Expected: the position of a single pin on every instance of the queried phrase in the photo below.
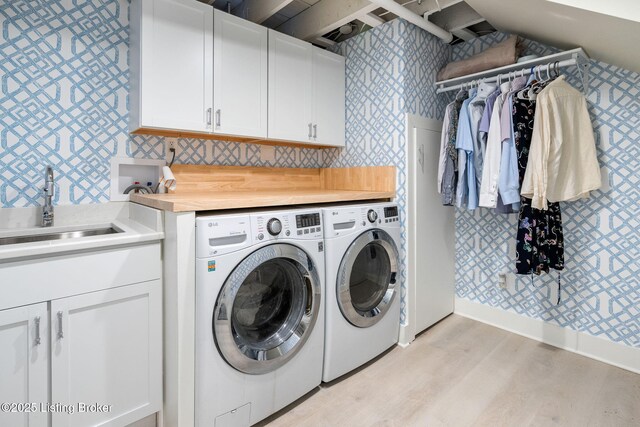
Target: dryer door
(267, 308)
(366, 282)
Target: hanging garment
(491, 168)
(465, 193)
(447, 186)
(562, 163)
(444, 139)
(476, 111)
(540, 241)
(508, 184)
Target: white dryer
(362, 284)
(259, 313)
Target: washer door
(366, 283)
(267, 308)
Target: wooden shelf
(577, 54)
(208, 188)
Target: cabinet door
(328, 98)
(107, 349)
(24, 363)
(240, 76)
(176, 77)
(290, 79)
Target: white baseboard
(600, 349)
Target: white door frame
(408, 329)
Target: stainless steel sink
(73, 234)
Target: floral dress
(540, 242)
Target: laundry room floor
(461, 373)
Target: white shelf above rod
(564, 59)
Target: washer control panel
(286, 225)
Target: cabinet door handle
(315, 131)
(37, 321)
(218, 114)
(310, 126)
(209, 116)
(60, 333)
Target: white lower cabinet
(93, 359)
(24, 365)
(106, 351)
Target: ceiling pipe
(414, 18)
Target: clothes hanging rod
(563, 59)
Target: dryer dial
(274, 226)
(372, 215)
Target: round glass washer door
(366, 282)
(267, 308)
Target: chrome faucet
(47, 208)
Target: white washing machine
(362, 284)
(259, 313)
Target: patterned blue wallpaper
(601, 280)
(63, 101)
(390, 72)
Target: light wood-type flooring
(465, 373)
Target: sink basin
(73, 234)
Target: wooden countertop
(208, 201)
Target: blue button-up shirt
(467, 192)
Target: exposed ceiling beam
(259, 11)
(325, 16)
(429, 7)
(457, 17)
(371, 20)
(415, 19)
(464, 34)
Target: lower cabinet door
(24, 366)
(106, 356)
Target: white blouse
(562, 162)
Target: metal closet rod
(503, 76)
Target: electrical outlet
(502, 281)
(170, 144)
(267, 153)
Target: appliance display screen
(307, 220)
(391, 211)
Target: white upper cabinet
(171, 65)
(24, 364)
(306, 92)
(328, 98)
(240, 76)
(201, 70)
(290, 88)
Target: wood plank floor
(465, 373)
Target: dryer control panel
(344, 220)
(279, 225)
